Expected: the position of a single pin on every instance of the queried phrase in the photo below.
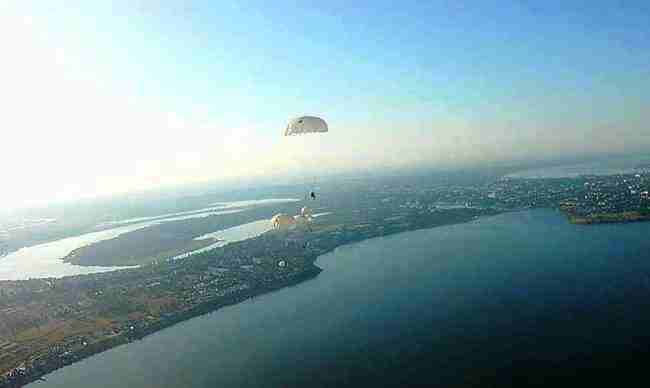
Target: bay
(519, 295)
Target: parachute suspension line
(307, 125)
(312, 193)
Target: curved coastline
(344, 236)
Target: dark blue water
(519, 298)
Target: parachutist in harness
(306, 125)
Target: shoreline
(211, 306)
(608, 218)
(196, 311)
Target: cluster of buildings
(584, 194)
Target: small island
(165, 240)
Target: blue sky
(337, 54)
(435, 82)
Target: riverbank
(608, 218)
(168, 239)
(87, 255)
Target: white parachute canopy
(306, 212)
(305, 124)
(282, 221)
(301, 221)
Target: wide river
(445, 305)
(46, 260)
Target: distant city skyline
(100, 99)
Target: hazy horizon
(107, 99)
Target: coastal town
(610, 197)
(48, 323)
